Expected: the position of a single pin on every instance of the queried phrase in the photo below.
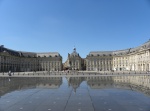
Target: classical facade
(99, 61)
(74, 61)
(51, 61)
(29, 61)
(132, 59)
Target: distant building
(99, 61)
(28, 61)
(51, 61)
(74, 61)
(132, 59)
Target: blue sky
(59, 25)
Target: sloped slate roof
(100, 53)
(119, 52)
(10, 51)
(28, 54)
(48, 54)
(146, 45)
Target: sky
(61, 25)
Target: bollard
(18, 73)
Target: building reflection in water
(137, 83)
(75, 82)
(11, 84)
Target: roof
(100, 53)
(146, 45)
(28, 54)
(48, 54)
(10, 51)
(74, 53)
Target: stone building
(132, 59)
(74, 61)
(120, 60)
(51, 61)
(99, 61)
(28, 61)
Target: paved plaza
(72, 98)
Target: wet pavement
(73, 94)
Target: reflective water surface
(103, 93)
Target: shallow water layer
(119, 93)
